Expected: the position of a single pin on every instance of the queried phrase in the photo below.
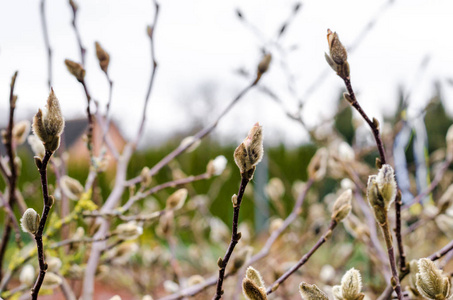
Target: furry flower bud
(30, 221)
(217, 166)
(311, 292)
(317, 167)
(263, 66)
(103, 57)
(48, 125)
(351, 286)
(342, 206)
(128, 231)
(431, 282)
(250, 152)
(338, 58)
(252, 291)
(27, 275)
(255, 277)
(20, 131)
(75, 69)
(177, 199)
(51, 281)
(387, 184)
(71, 187)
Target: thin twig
(38, 236)
(437, 179)
(46, 42)
(82, 49)
(235, 237)
(198, 136)
(78, 241)
(162, 186)
(274, 286)
(151, 31)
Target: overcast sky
(201, 43)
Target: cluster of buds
(311, 292)
(48, 125)
(250, 152)
(253, 285)
(350, 288)
(338, 58)
(381, 192)
(431, 282)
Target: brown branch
(196, 289)
(388, 242)
(398, 234)
(385, 227)
(304, 259)
(235, 237)
(12, 178)
(38, 236)
(46, 42)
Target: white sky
(200, 44)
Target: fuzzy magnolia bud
(36, 145)
(53, 264)
(145, 176)
(27, 275)
(275, 189)
(48, 125)
(381, 192)
(252, 291)
(75, 69)
(30, 221)
(51, 281)
(338, 58)
(241, 257)
(342, 206)
(21, 131)
(217, 166)
(413, 267)
(255, 277)
(263, 66)
(311, 292)
(351, 286)
(177, 199)
(318, 165)
(103, 57)
(128, 231)
(71, 187)
(194, 280)
(250, 152)
(431, 282)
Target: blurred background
(205, 51)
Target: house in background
(74, 140)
